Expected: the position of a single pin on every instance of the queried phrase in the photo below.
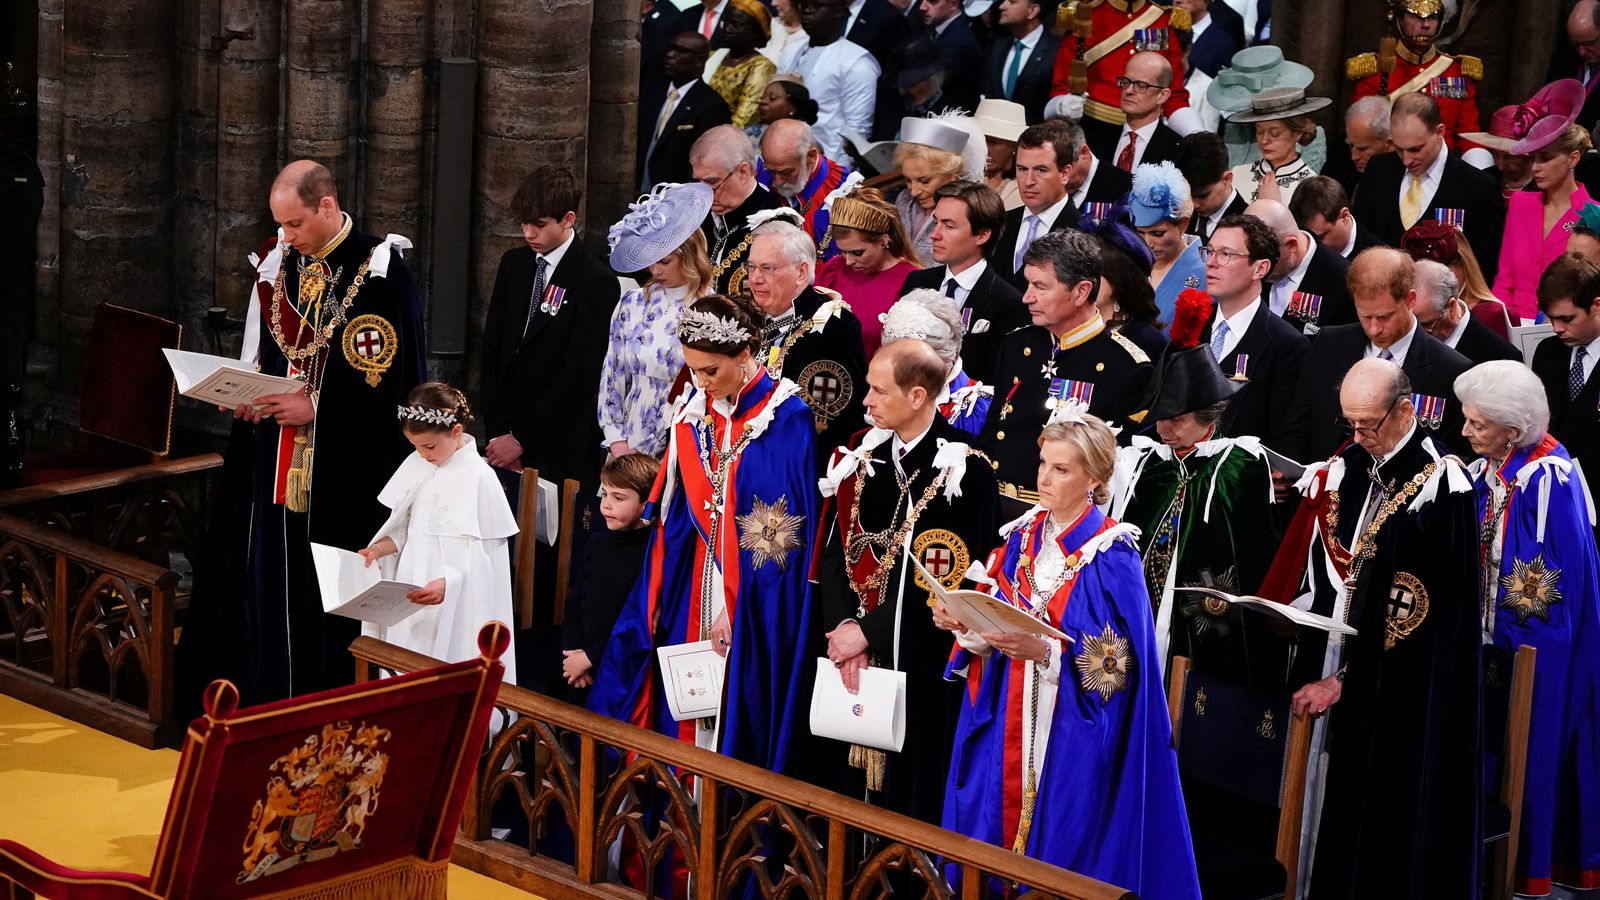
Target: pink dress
(1526, 250)
(869, 295)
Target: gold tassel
(1030, 796)
(297, 486)
(412, 878)
(873, 760)
(1078, 77)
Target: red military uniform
(1118, 29)
(1451, 80)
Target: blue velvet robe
(1552, 605)
(1109, 803)
(965, 411)
(766, 693)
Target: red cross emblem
(825, 388)
(937, 560)
(369, 343)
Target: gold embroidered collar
(1404, 52)
(1082, 333)
(344, 232)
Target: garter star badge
(827, 389)
(1530, 590)
(1104, 663)
(770, 533)
(370, 343)
(318, 806)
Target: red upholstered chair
(351, 793)
(125, 399)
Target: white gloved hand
(1068, 106)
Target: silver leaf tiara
(698, 325)
(428, 415)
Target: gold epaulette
(1359, 67)
(1138, 354)
(1180, 19)
(1472, 67)
(1067, 12)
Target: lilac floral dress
(643, 360)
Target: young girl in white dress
(447, 531)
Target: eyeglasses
(1591, 44)
(1138, 87)
(1437, 325)
(765, 271)
(1225, 258)
(1348, 427)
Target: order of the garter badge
(319, 803)
(370, 344)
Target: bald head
(789, 149)
(1583, 31)
(305, 205)
(1375, 398)
(1293, 244)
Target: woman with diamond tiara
(1063, 751)
(734, 510)
(447, 531)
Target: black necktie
(950, 288)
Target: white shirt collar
(910, 445)
(1239, 322)
(1398, 349)
(1350, 244)
(1031, 39)
(1222, 210)
(1144, 134)
(1047, 219)
(855, 13)
(1589, 358)
(1461, 328)
(553, 258)
(1079, 195)
(967, 278)
(1410, 429)
(1430, 178)
(1197, 28)
(1284, 290)
(938, 30)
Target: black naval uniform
(946, 537)
(1090, 362)
(726, 242)
(830, 366)
(256, 617)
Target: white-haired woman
(1540, 588)
(930, 316)
(1052, 734)
(1162, 206)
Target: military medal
(1240, 366)
(1067, 389)
(554, 296)
(1305, 306)
(1430, 410)
(1096, 210)
(1456, 218)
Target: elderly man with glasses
(1386, 543)
(1382, 284)
(1441, 312)
(810, 336)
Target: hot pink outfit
(1526, 250)
(869, 295)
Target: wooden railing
(572, 771)
(86, 632)
(150, 512)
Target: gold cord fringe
(297, 486)
(411, 878)
(873, 760)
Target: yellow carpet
(92, 801)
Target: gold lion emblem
(1530, 590)
(319, 803)
(1105, 663)
(770, 533)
